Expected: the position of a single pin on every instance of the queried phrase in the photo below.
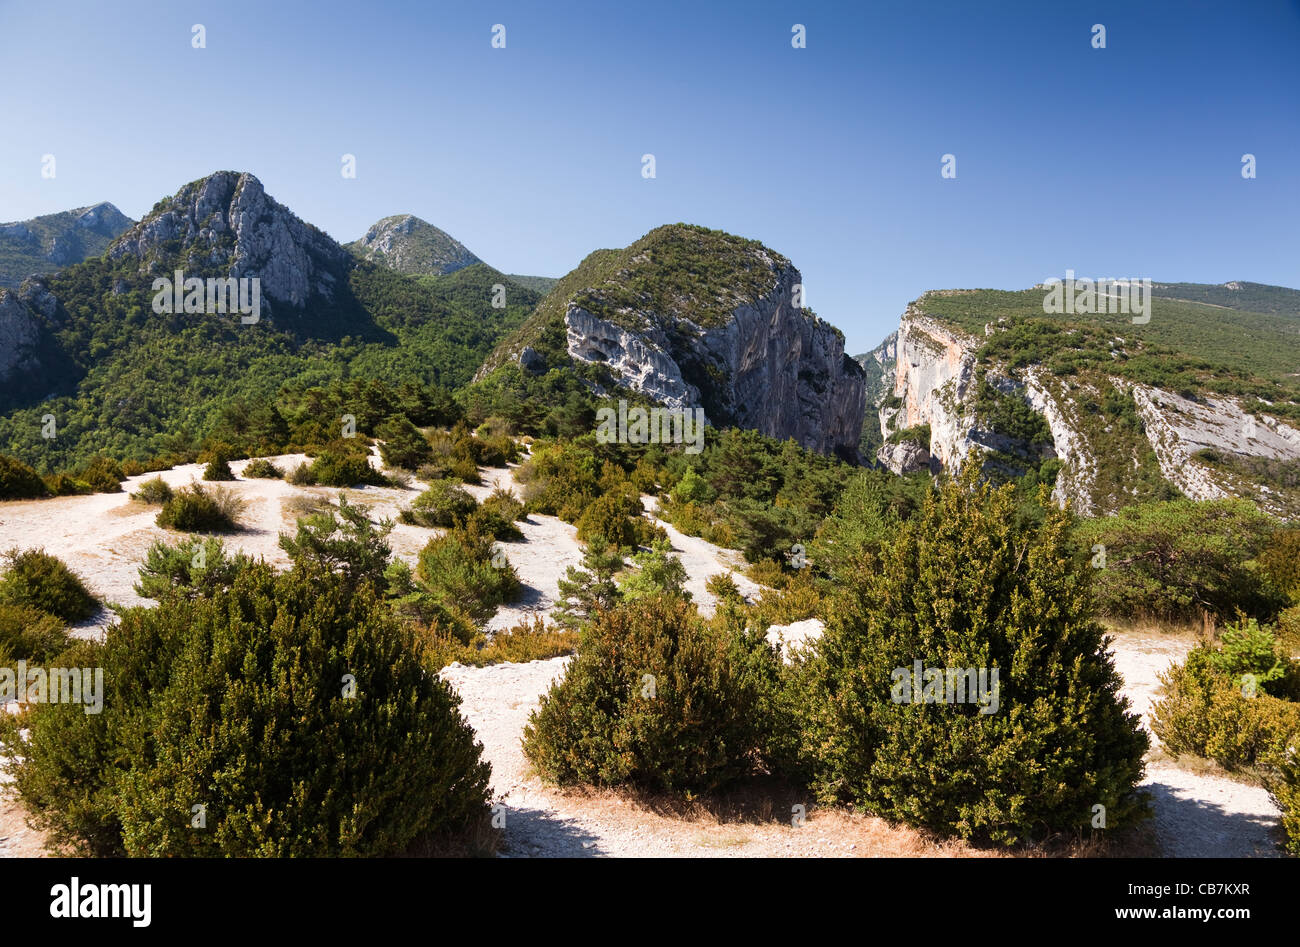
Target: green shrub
(525, 642)
(402, 444)
(1282, 779)
(559, 480)
(195, 510)
(38, 580)
(103, 475)
(1204, 711)
(656, 572)
(344, 469)
(1280, 562)
(1248, 655)
(262, 469)
(1288, 631)
(218, 469)
(466, 471)
(505, 504)
(346, 543)
(444, 503)
(497, 450)
(301, 476)
(723, 587)
(1171, 560)
(64, 485)
(849, 540)
(194, 568)
(152, 491)
(963, 585)
(692, 488)
(30, 634)
(587, 591)
(240, 703)
(652, 700)
(613, 516)
(1207, 708)
(18, 481)
(463, 573)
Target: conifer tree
(964, 586)
(586, 591)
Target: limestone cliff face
(772, 366)
(19, 333)
(1179, 429)
(228, 225)
(1100, 460)
(934, 375)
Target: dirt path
(1198, 813)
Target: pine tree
(658, 572)
(348, 542)
(585, 592)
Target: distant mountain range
(85, 345)
(46, 244)
(1202, 400)
(707, 320)
(409, 245)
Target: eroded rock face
(1178, 427)
(934, 377)
(228, 224)
(904, 457)
(935, 382)
(772, 367)
(19, 334)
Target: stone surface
(904, 457)
(789, 638)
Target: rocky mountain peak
(226, 224)
(692, 317)
(407, 244)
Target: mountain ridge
(44, 244)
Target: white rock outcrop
(934, 378)
(788, 639)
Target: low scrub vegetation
(262, 469)
(1238, 703)
(196, 510)
(34, 579)
(1177, 560)
(230, 701)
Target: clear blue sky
(1117, 162)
